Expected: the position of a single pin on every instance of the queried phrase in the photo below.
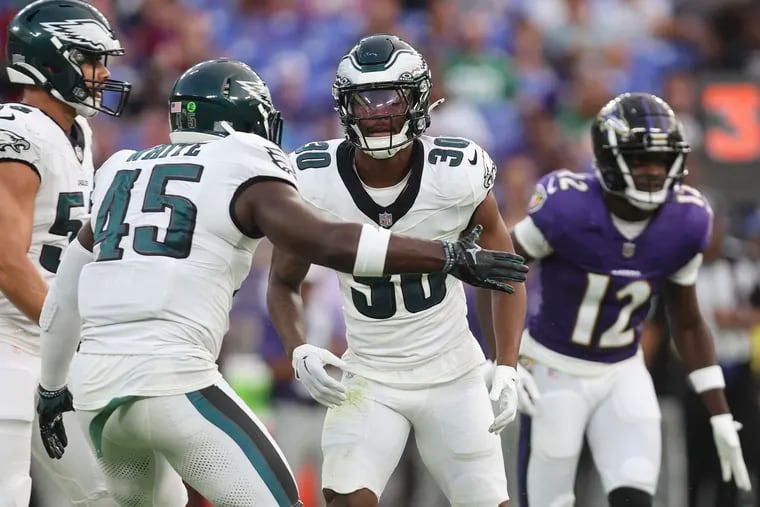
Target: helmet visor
(380, 111)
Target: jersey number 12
(619, 334)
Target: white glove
(309, 364)
(504, 392)
(730, 450)
(527, 391)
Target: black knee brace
(629, 497)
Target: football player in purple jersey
(607, 243)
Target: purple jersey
(597, 285)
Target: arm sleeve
(687, 274)
(699, 224)
(60, 321)
(532, 239)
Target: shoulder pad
(22, 134)
(695, 214)
(261, 157)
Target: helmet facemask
(378, 120)
(86, 94)
(272, 124)
(618, 165)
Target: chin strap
(436, 104)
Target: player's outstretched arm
(275, 209)
(19, 279)
(694, 343)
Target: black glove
(50, 408)
(488, 269)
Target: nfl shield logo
(629, 249)
(385, 220)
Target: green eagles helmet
(215, 95)
(49, 40)
(383, 81)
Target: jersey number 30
(381, 303)
(110, 227)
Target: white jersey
(404, 329)
(169, 258)
(64, 166)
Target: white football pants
(209, 438)
(619, 415)
(364, 438)
(76, 474)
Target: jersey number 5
(63, 225)
(110, 227)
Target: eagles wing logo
(255, 88)
(81, 31)
(12, 141)
(280, 160)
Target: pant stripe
(523, 458)
(225, 414)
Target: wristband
(450, 256)
(371, 251)
(709, 377)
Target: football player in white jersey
(412, 361)
(57, 49)
(173, 231)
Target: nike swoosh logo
(11, 117)
(474, 159)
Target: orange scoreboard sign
(730, 110)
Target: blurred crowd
(523, 78)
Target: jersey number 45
(110, 227)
